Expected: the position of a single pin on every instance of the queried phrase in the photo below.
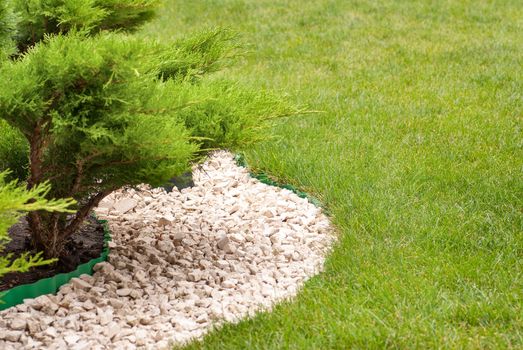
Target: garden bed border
(50, 285)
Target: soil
(86, 244)
(183, 181)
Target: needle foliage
(100, 109)
(15, 201)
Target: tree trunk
(82, 213)
(50, 231)
(45, 234)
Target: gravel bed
(180, 264)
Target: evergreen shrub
(99, 110)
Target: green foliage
(193, 57)
(100, 110)
(42, 17)
(14, 202)
(14, 152)
(126, 14)
(105, 116)
(8, 21)
(228, 115)
(105, 111)
(418, 156)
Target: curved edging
(50, 285)
(264, 178)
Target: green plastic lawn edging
(50, 285)
(264, 178)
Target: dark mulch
(86, 244)
(183, 181)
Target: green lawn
(418, 155)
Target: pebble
(124, 205)
(124, 292)
(18, 324)
(12, 336)
(223, 242)
(181, 264)
(71, 339)
(80, 284)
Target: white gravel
(180, 264)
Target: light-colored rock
(80, 284)
(230, 283)
(162, 222)
(116, 303)
(165, 246)
(51, 332)
(105, 319)
(222, 264)
(223, 244)
(112, 331)
(125, 205)
(177, 236)
(238, 237)
(18, 324)
(124, 292)
(71, 339)
(12, 336)
(88, 305)
(184, 323)
(181, 263)
(135, 293)
(234, 209)
(105, 204)
(33, 326)
(146, 321)
(39, 303)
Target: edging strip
(50, 285)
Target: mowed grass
(418, 155)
